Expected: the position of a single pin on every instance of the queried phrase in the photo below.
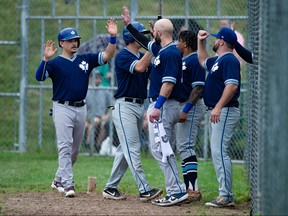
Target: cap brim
(214, 35)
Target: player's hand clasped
(154, 115)
(202, 35)
(182, 117)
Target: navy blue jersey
(193, 74)
(222, 71)
(130, 84)
(167, 67)
(70, 77)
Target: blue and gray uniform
(167, 67)
(128, 119)
(70, 77)
(193, 75)
(222, 70)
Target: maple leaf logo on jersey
(84, 66)
(215, 67)
(184, 66)
(157, 61)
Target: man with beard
(164, 96)
(221, 93)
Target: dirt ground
(53, 203)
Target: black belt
(211, 108)
(73, 103)
(134, 100)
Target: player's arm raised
(139, 37)
(202, 52)
(111, 28)
(49, 52)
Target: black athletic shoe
(171, 200)
(150, 194)
(113, 193)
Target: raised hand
(111, 27)
(202, 35)
(126, 16)
(49, 50)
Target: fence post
(23, 83)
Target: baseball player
(70, 76)
(192, 111)
(132, 70)
(221, 93)
(164, 97)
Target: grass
(35, 172)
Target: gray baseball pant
(169, 115)
(69, 123)
(128, 120)
(220, 138)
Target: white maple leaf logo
(184, 66)
(215, 67)
(157, 61)
(84, 66)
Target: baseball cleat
(69, 192)
(150, 194)
(194, 195)
(221, 202)
(113, 193)
(171, 200)
(57, 186)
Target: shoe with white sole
(57, 186)
(171, 200)
(69, 192)
(221, 202)
(150, 194)
(113, 193)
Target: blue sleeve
(231, 70)
(41, 74)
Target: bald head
(164, 25)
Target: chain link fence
(267, 100)
(30, 126)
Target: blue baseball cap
(227, 34)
